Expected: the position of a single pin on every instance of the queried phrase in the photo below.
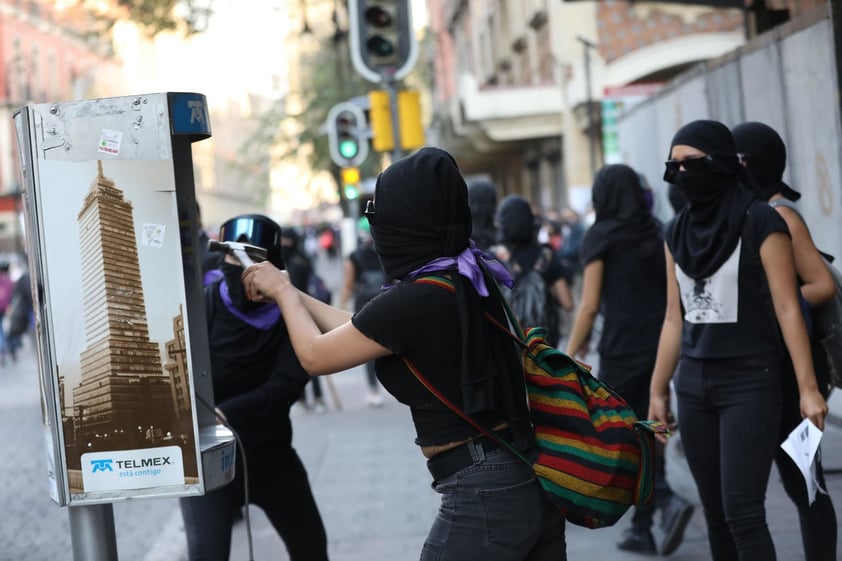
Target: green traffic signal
(348, 148)
(351, 192)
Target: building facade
(47, 53)
(520, 85)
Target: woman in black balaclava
(520, 250)
(624, 279)
(732, 317)
(764, 153)
(256, 377)
(482, 197)
(420, 223)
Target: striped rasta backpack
(595, 458)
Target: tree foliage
(329, 79)
(289, 129)
(156, 16)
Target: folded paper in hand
(802, 445)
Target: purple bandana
(467, 265)
(262, 317)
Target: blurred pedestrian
(256, 377)
(482, 198)
(572, 234)
(20, 315)
(7, 288)
(301, 272)
(764, 153)
(730, 272)
(521, 252)
(328, 242)
(364, 279)
(625, 280)
(493, 507)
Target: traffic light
(409, 119)
(346, 135)
(383, 44)
(350, 183)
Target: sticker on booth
(132, 469)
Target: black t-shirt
(632, 300)
(420, 321)
(730, 314)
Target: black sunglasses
(369, 211)
(690, 164)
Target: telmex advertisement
(111, 235)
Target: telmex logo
(105, 464)
(101, 465)
(145, 462)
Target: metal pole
(92, 532)
(397, 151)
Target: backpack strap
(522, 339)
(462, 415)
(447, 283)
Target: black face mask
(233, 275)
(701, 184)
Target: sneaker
(297, 408)
(319, 406)
(674, 519)
(638, 541)
(374, 399)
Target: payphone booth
(112, 240)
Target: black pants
(817, 520)
(278, 484)
(630, 376)
(730, 414)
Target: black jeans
(494, 510)
(730, 415)
(279, 485)
(630, 376)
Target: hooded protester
(521, 252)
(256, 378)
(733, 321)
(764, 153)
(492, 505)
(482, 198)
(624, 279)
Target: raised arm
(323, 337)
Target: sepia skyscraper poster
(111, 221)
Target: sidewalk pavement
(369, 479)
(374, 493)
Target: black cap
(255, 229)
